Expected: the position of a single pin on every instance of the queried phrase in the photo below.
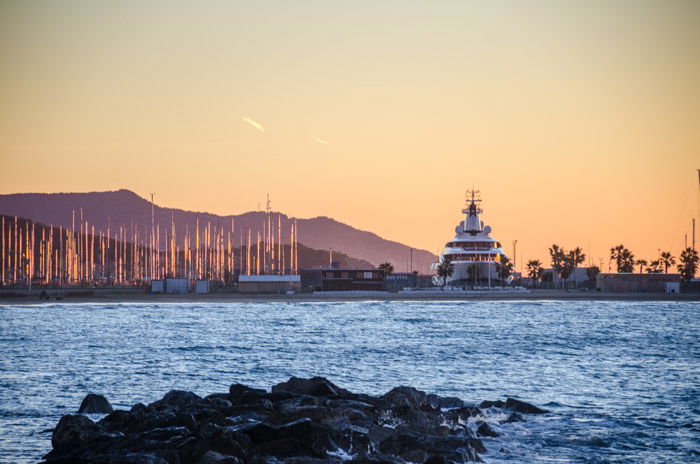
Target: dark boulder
(284, 447)
(95, 404)
(436, 459)
(415, 456)
(122, 420)
(175, 399)
(513, 405)
(219, 403)
(513, 417)
(238, 394)
(492, 404)
(523, 407)
(402, 397)
(462, 414)
(212, 457)
(444, 402)
(139, 407)
(316, 386)
(485, 430)
(74, 431)
(260, 432)
(309, 421)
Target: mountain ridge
(125, 207)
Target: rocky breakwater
(299, 421)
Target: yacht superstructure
(474, 254)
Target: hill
(124, 207)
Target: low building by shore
(268, 283)
(645, 283)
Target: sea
(621, 379)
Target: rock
(476, 445)
(166, 433)
(212, 457)
(415, 456)
(219, 403)
(261, 432)
(316, 386)
(309, 421)
(462, 414)
(176, 399)
(513, 404)
(435, 459)
(485, 430)
(242, 394)
(513, 417)
(95, 404)
(402, 397)
(444, 402)
(320, 438)
(523, 407)
(138, 407)
(74, 431)
(284, 447)
(492, 404)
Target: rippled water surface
(622, 379)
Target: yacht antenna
(472, 200)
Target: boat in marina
(474, 254)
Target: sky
(578, 121)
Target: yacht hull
(471, 273)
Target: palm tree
(564, 262)
(654, 267)
(567, 268)
(534, 270)
(558, 256)
(445, 269)
(576, 256)
(667, 259)
(615, 255)
(504, 267)
(642, 263)
(627, 261)
(387, 268)
(688, 264)
(592, 272)
(623, 258)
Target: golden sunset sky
(579, 121)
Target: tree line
(564, 263)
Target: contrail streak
(255, 124)
(320, 140)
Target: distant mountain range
(124, 207)
(308, 257)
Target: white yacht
(473, 252)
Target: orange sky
(578, 121)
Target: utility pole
(515, 242)
(412, 257)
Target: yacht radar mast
(472, 224)
(472, 204)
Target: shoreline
(91, 295)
